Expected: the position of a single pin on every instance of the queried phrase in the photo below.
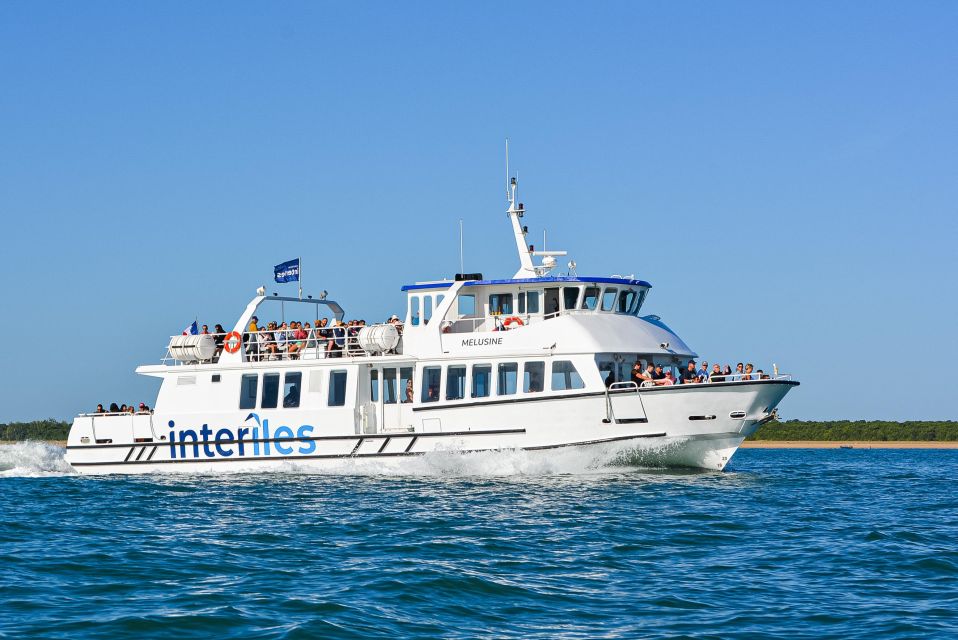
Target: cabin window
(292, 385)
(270, 391)
(248, 391)
(430, 383)
(591, 298)
(389, 386)
(414, 310)
(552, 302)
(608, 299)
(481, 380)
(570, 296)
(522, 303)
(626, 300)
(456, 383)
(533, 376)
(405, 384)
(565, 376)
(337, 389)
(508, 376)
(374, 385)
(467, 306)
(532, 301)
(607, 372)
(500, 303)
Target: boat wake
(39, 459)
(33, 460)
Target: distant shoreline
(855, 444)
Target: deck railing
(263, 346)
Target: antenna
(507, 169)
(461, 269)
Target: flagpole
(300, 278)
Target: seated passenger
(281, 340)
(409, 391)
(748, 372)
(716, 375)
(114, 408)
(658, 374)
(739, 371)
(267, 346)
(205, 331)
(761, 375)
(668, 380)
(703, 372)
(690, 374)
(637, 376)
(727, 374)
(143, 408)
(100, 409)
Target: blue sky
(784, 175)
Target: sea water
(785, 543)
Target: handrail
(732, 377)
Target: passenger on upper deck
(716, 375)
(219, 336)
(100, 409)
(703, 372)
(658, 374)
(690, 374)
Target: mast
(516, 211)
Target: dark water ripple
(796, 544)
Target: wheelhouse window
(565, 376)
(337, 389)
(248, 391)
(389, 386)
(591, 298)
(533, 376)
(570, 296)
(406, 384)
(507, 378)
(414, 310)
(626, 301)
(430, 384)
(467, 305)
(500, 304)
(292, 387)
(481, 380)
(270, 391)
(608, 299)
(374, 385)
(455, 382)
(639, 299)
(532, 301)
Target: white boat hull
(689, 426)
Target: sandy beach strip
(854, 444)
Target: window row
(564, 377)
(613, 299)
(269, 396)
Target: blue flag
(191, 330)
(287, 271)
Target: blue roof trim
(628, 281)
(431, 285)
(478, 283)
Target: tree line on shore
(868, 430)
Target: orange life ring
(512, 320)
(232, 342)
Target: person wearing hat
(703, 372)
(690, 374)
(658, 374)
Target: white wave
(32, 460)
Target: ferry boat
(537, 363)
